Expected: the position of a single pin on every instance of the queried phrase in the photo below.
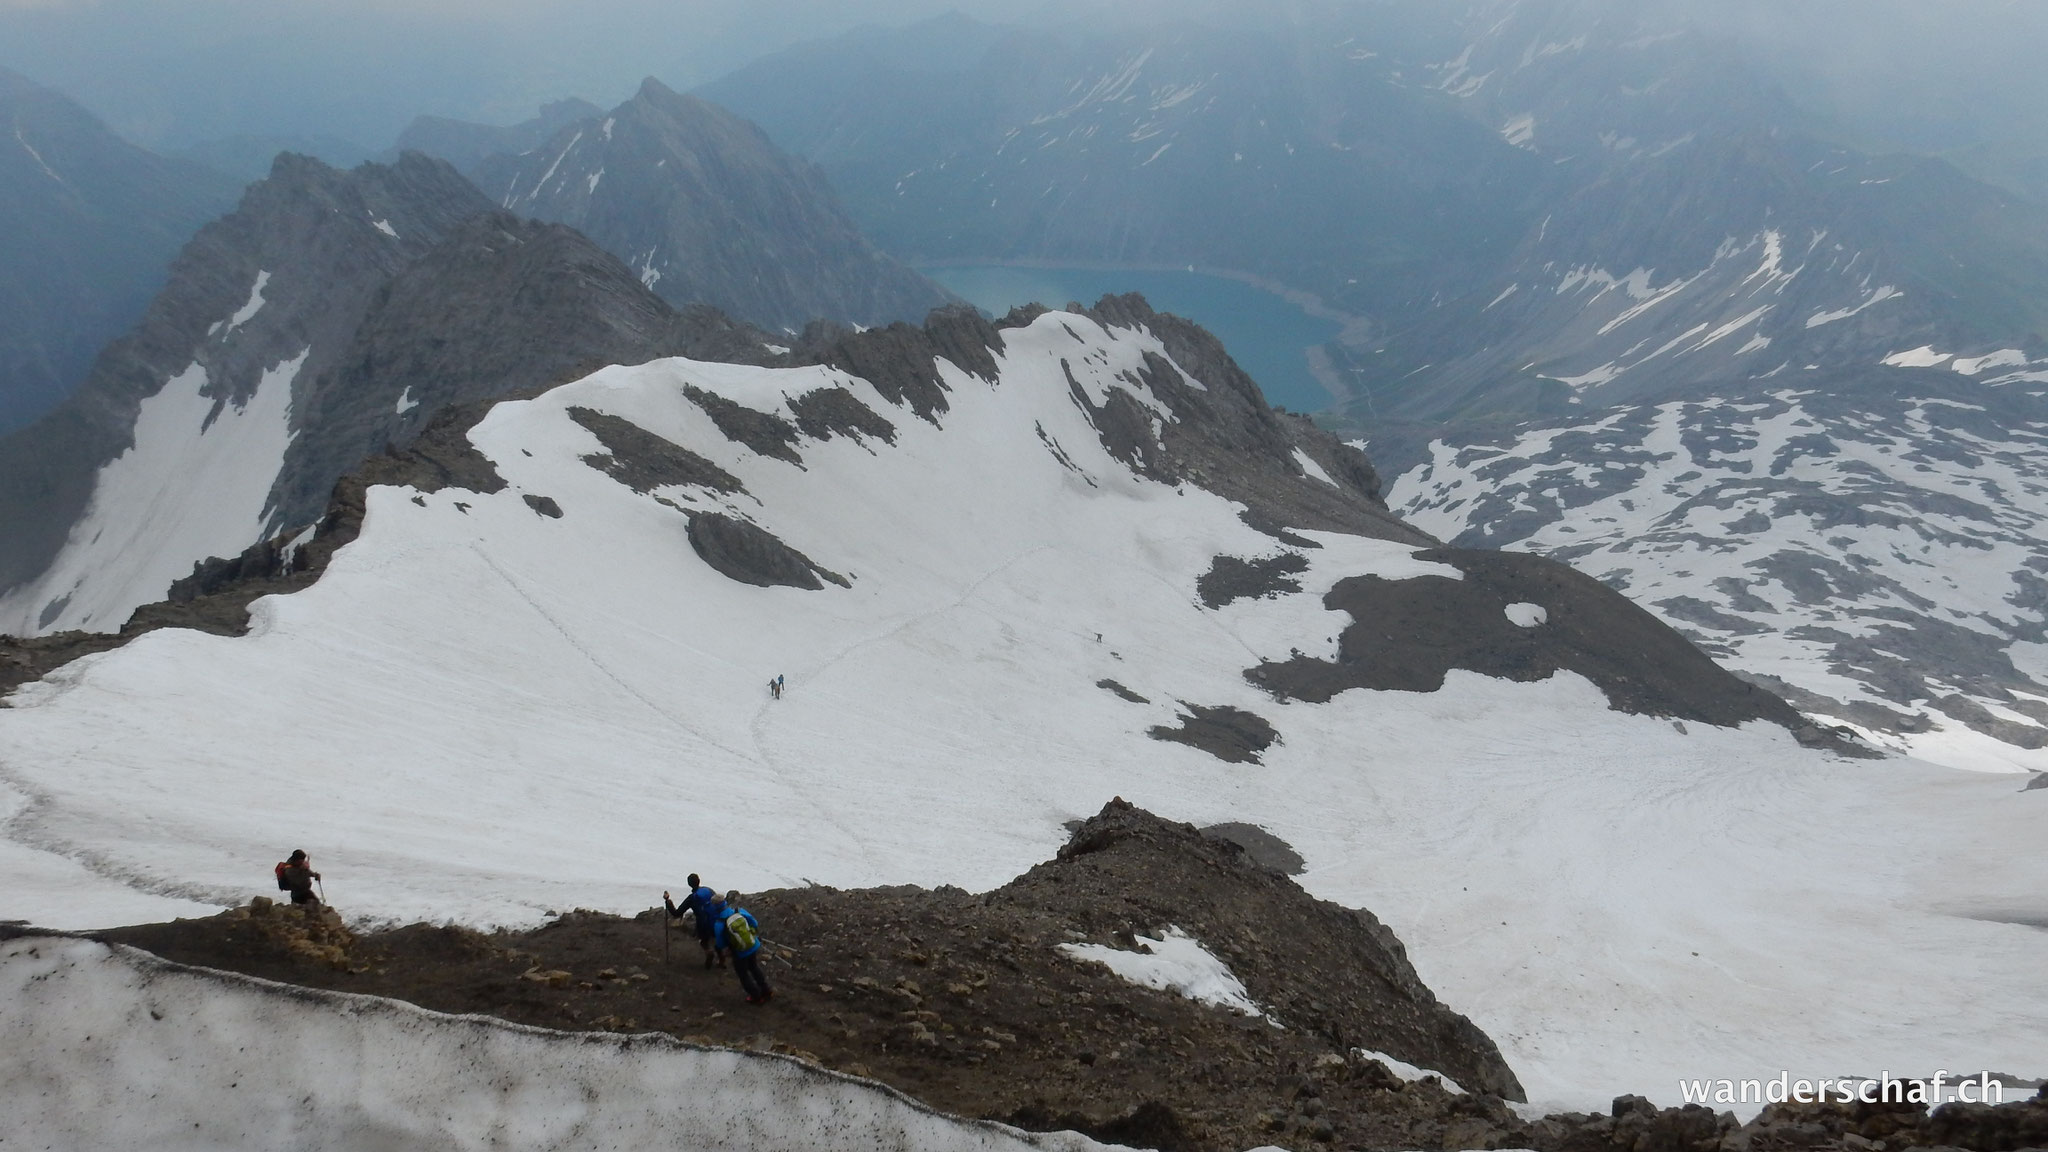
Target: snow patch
(1520, 131)
(1407, 1071)
(385, 227)
(254, 305)
(1523, 614)
(259, 1065)
(405, 401)
(1922, 357)
(2004, 358)
(194, 484)
(1877, 296)
(1175, 962)
(1314, 470)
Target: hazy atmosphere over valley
(1187, 574)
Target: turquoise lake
(1267, 335)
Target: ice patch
(1523, 614)
(385, 227)
(1176, 962)
(405, 401)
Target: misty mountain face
(1626, 274)
(707, 211)
(466, 145)
(1302, 163)
(330, 314)
(88, 223)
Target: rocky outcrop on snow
(707, 211)
(88, 223)
(1520, 617)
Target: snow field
(193, 485)
(480, 714)
(111, 1048)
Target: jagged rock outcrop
(707, 210)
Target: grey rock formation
(88, 224)
(707, 211)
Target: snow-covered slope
(494, 705)
(87, 1033)
(1872, 540)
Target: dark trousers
(752, 981)
(304, 896)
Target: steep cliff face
(88, 223)
(707, 211)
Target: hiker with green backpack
(740, 935)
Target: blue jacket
(750, 919)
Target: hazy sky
(168, 73)
(1923, 74)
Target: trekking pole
(323, 889)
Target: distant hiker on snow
(703, 906)
(740, 934)
(775, 686)
(296, 876)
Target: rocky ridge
(973, 1004)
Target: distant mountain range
(88, 224)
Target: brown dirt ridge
(966, 1002)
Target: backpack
(740, 935)
(282, 884)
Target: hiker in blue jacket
(740, 934)
(704, 908)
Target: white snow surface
(1728, 521)
(1526, 615)
(482, 714)
(1175, 962)
(193, 485)
(247, 311)
(111, 1048)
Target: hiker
(778, 685)
(295, 875)
(699, 905)
(740, 934)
